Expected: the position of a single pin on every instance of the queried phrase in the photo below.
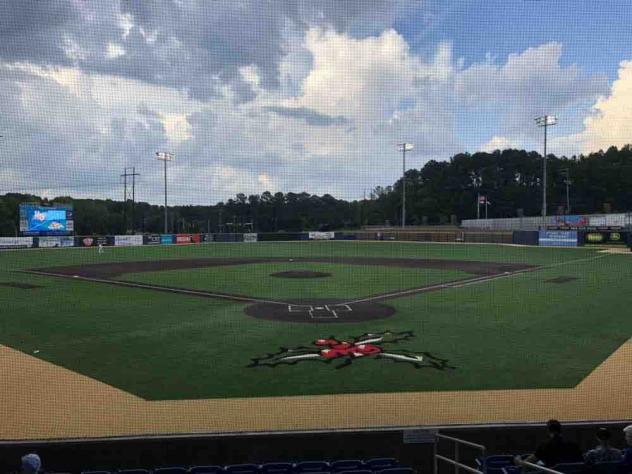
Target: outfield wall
(549, 237)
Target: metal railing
(537, 467)
(456, 462)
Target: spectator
(627, 453)
(31, 464)
(556, 449)
(603, 452)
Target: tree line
(441, 192)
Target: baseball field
(216, 334)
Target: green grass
(346, 281)
(512, 333)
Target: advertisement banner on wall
(321, 235)
(604, 238)
(16, 242)
(183, 239)
(166, 239)
(128, 240)
(571, 222)
(207, 237)
(92, 241)
(558, 238)
(250, 237)
(56, 242)
(151, 239)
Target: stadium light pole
(545, 122)
(404, 147)
(164, 157)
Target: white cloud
(114, 50)
(610, 123)
(498, 143)
(177, 127)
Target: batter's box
(320, 311)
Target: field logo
(366, 346)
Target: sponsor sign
(250, 237)
(51, 242)
(16, 242)
(207, 237)
(321, 235)
(166, 239)
(609, 238)
(92, 241)
(152, 239)
(571, 221)
(128, 240)
(183, 239)
(558, 238)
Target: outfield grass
(518, 332)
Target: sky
(297, 95)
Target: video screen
(39, 220)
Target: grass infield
(523, 331)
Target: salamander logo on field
(345, 351)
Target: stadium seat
(357, 471)
(241, 469)
(347, 465)
(170, 470)
(397, 470)
(134, 471)
(571, 467)
(96, 472)
(277, 468)
(205, 469)
(312, 466)
(378, 464)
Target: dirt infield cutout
(300, 274)
(302, 311)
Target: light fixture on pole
(545, 121)
(404, 147)
(164, 157)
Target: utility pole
(404, 147)
(545, 121)
(129, 173)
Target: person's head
(628, 434)
(31, 463)
(554, 427)
(603, 435)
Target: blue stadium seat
(312, 466)
(205, 469)
(571, 467)
(277, 468)
(347, 465)
(378, 464)
(170, 470)
(397, 470)
(241, 469)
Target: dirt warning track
(303, 311)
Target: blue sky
(300, 95)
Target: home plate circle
(320, 311)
